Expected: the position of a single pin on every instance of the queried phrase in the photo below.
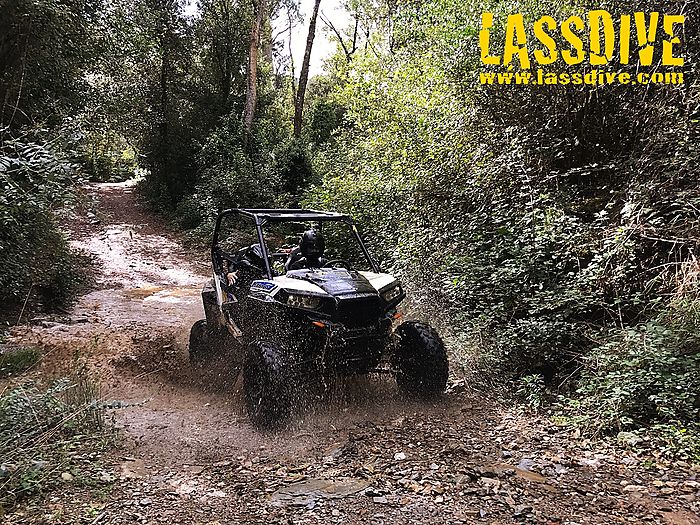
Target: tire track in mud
(191, 456)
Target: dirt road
(365, 455)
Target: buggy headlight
(308, 302)
(392, 294)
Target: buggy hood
(334, 281)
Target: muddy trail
(188, 455)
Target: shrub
(17, 360)
(42, 433)
(644, 375)
(34, 253)
(292, 166)
(532, 390)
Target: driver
(247, 266)
(310, 252)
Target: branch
(291, 58)
(24, 68)
(348, 54)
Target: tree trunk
(164, 154)
(267, 40)
(252, 80)
(304, 74)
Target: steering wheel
(334, 263)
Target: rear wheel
(267, 385)
(207, 344)
(420, 360)
(200, 342)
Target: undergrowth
(39, 265)
(641, 384)
(16, 361)
(51, 436)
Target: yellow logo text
(598, 44)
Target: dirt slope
(364, 455)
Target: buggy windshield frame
(262, 216)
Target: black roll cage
(261, 217)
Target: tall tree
(46, 50)
(162, 165)
(252, 79)
(304, 74)
(224, 48)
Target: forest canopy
(553, 230)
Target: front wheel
(267, 385)
(419, 360)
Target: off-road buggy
(297, 329)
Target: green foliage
(54, 87)
(35, 256)
(17, 360)
(106, 157)
(532, 390)
(126, 86)
(326, 117)
(293, 166)
(672, 440)
(45, 48)
(228, 178)
(647, 374)
(543, 222)
(41, 432)
(197, 159)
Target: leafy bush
(35, 256)
(548, 224)
(229, 176)
(227, 179)
(41, 433)
(671, 440)
(292, 167)
(17, 360)
(647, 374)
(326, 117)
(532, 390)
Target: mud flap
(232, 326)
(212, 310)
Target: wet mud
(188, 453)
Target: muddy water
(144, 274)
(160, 307)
